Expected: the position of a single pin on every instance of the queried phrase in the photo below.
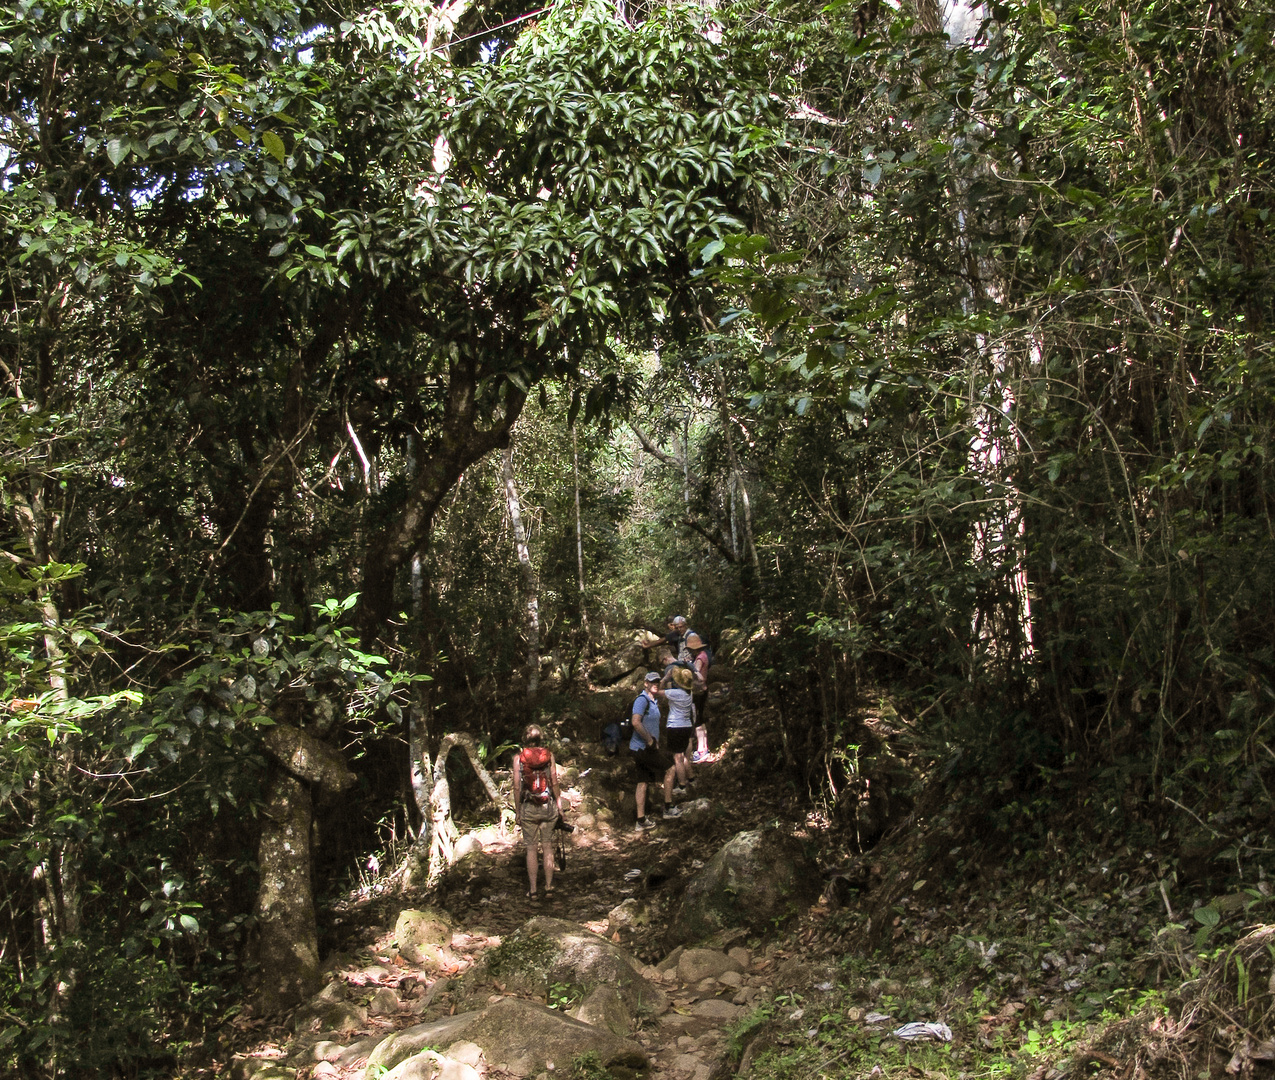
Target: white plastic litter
(922, 1030)
(633, 875)
(876, 1018)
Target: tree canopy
(932, 369)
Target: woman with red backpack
(536, 802)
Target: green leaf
(274, 144)
(116, 150)
(1207, 916)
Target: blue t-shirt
(648, 712)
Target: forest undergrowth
(1048, 939)
(1060, 948)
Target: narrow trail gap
(607, 863)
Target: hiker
(650, 762)
(699, 670)
(675, 639)
(536, 802)
(677, 684)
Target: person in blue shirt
(649, 761)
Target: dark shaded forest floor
(1075, 957)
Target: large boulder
(758, 880)
(628, 659)
(546, 952)
(608, 706)
(523, 1037)
(604, 1008)
(409, 1042)
(526, 1038)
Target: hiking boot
(644, 825)
(698, 756)
(673, 811)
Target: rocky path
(619, 884)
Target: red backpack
(535, 774)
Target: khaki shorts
(537, 821)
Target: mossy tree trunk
(288, 942)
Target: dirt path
(608, 862)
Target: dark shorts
(678, 739)
(651, 764)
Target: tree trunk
(530, 595)
(433, 851)
(288, 941)
(575, 473)
(288, 947)
(737, 476)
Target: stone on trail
(384, 1003)
(632, 656)
(670, 962)
(717, 1009)
(759, 879)
(417, 929)
(409, 1042)
(697, 964)
(466, 845)
(696, 812)
(330, 1016)
(604, 1008)
(356, 1051)
(545, 951)
(252, 1067)
(519, 1036)
(627, 915)
(524, 1037)
(469, 1053)
(429, 1065)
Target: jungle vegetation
(933, 368)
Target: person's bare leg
(548, 867)
(640, 795)
(668, 787)
(683, 768)
(701, 737)
(531, 871)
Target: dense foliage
(936, 370)
(1018, 389)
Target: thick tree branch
(460, 444)
(306, 757)
(716, 541)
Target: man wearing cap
(699, 695)
(651, 763)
